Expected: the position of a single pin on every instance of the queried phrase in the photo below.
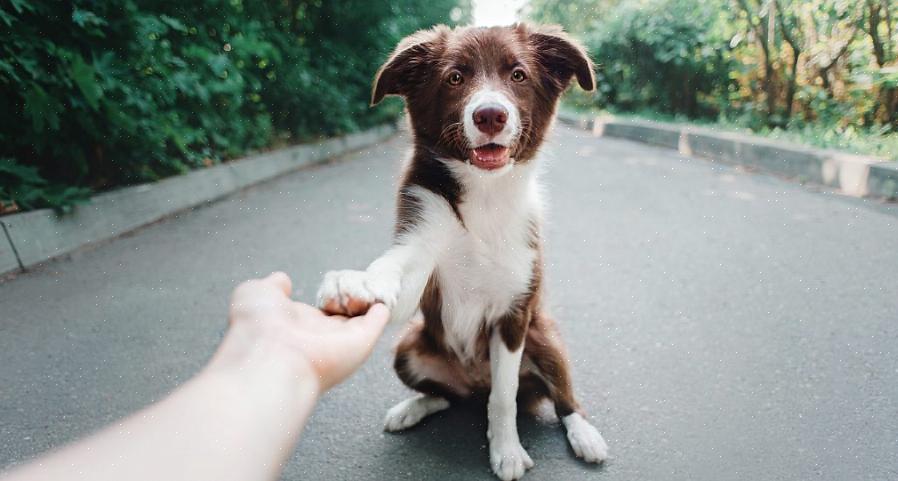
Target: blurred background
(100, 94)
(821, 72)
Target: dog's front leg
(397, 279)
(508, 458)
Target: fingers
(355, 341)
(371, 325)
(281, 281)
(332, 307)
(306, 312)
(378, 316)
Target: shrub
(662, 54)
(825, 68)
(101, 94)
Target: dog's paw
(585, 439)
(411, 411)
(351, 293)
(509, 460)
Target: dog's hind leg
(435, 378)
(545, 356)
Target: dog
(467, 256)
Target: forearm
(238, 419)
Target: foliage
(826, 68)
(579, 17)
(663, 54)
(101, 94)
(22, 188)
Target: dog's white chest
(487, 265)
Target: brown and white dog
(467, 250)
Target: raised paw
(509, 460)
(411, 411)
(585, 439)
(351, 293)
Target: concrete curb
(30, 238)
(853, 175)
(884, 179)
(9, 260)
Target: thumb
(370, 326)
(377, 317)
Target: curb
(31, 238)
(853, 175)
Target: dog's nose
(490, 118)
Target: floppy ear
(407, 64)
(563, 57)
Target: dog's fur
(467, 251)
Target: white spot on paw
(411, 411)
(585, 439)
(509, 460)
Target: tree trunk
(794, 43)
(793, 84)
(763, 33)
(874, 20)
(769, 87)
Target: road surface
(722, 325)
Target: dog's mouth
(490, 156)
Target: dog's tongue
(490, 157)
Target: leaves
(43, 109)
(95, 95)
(83, 75)
(22, 188)
(800, 65)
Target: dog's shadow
(452, 444)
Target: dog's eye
(455, 78)
(518, 75)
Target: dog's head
(483, 95)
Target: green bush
(663, 55)
(22, 188)
(821, 70)
(102, 94)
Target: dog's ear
(562, 56)
(408, 64)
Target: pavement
(721, 324)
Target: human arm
(240, 417)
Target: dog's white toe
(361, 286)
(585, 439)
(411, 411)
(509, 460)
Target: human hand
(333, 347)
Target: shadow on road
(456, 440)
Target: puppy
(467, 250)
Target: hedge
(101, 94)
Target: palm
(334, 346)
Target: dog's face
(483, 95)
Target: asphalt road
(722, 325)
